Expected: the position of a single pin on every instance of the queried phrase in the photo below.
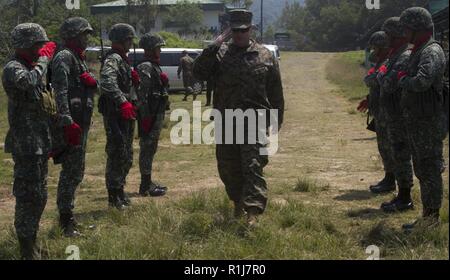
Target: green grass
(346, 71)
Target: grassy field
(319, 208)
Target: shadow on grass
(353, 195)
(366, 213)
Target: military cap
(393, 27)
(72, 27)
(379, 39)
(240, 19)
(417, 19)
(120, 32)
(25, 35)
(150, 41)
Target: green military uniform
(116, 89)
(186, 67)
(379, 39)
(395, 123)
(75, 102)
(28, 137)
(423, 111)
(246, 78)
(152, 97)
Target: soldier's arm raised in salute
(24, 79)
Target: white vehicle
(275, 50)
(170, 60)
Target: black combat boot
(148, 188)
(384, 186)
(123, 197)
(402, 202)
(430, 219)
(114, 200)
(68, 225)
(28, 249)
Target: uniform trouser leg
(384, 147)
(241, 170)
(119, 151)
(148, 146)
(30, 190)
(71, 175)
(401, 153)
(426, 138)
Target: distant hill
(272, 10)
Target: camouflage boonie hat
(240, 19)
(417, 19)
(393, 27)
(120, 32)
(379, 39)
(150, 41)
(72, 27)
(25, 35)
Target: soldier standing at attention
(186, 66)
(422, 105)
(380, 45)
(390, 96)
(153, 97)
(74, 86)
(28, 138)
(247, 77)
(116, 104)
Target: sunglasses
(241, 30)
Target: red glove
(72, 134)
(88, 80)
(164, 78)
(371, 71)
(128, 111)
(48, 50)
(363, 106)
(382, 69)
(147, 124)
(135, 77)
(401, 74)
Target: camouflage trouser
(241, 170)
(71, 175)
(30, 190)
(384, 147)
(426, 139)
(119, 151)
(400, 153)
(148, 146)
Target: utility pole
(262, 22)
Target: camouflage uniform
(423, 111)
(28, 137)
(186, 66)
(153, 97)
(379, 39)
(116, 88)
(246, 78)
(390, 108)
(75, 104)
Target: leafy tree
(184, 14)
